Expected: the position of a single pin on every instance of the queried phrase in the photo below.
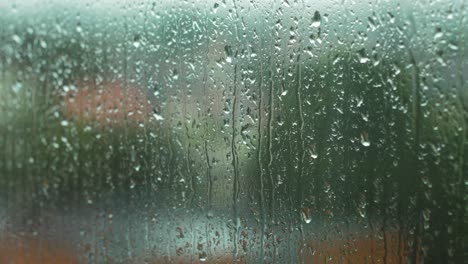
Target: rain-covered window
(233, 131)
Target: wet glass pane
(233, 131)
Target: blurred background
(233, 131)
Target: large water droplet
(202, 257)
(158, 117)
(438, 33)
(317, 19)
(136, 41)
(64, 123)
(137, 168)
(313, 152)
(16, 39)
(306, 215)
(228, 51)
(363, 58)
(365, 139)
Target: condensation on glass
(233, 131)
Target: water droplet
(175, 74)
(365, 139)
(359, 102)
(16, 39)
(313, 152)
(453, 46)
(392, 17)
(158, 117)
(438, 33)
(136, 41)
(316, 20)
(363, 58)
(306, 215)
(202, 256)
(210, 214)
(365, 117)
(228, 51)
(17, 87)
(362, 213)
(43, 44)
(137, 168)
(372, 23)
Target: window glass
(233, 131)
